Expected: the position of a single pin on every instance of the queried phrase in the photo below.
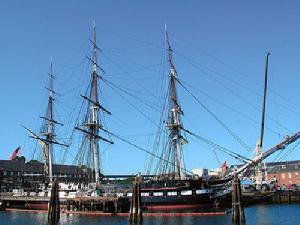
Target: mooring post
(240, 202)
(104, 206)
(53, 206)
(135, 213)
(139, 200)
(2, 206)
(235, 212)
(116, 206)
(132, 212)
(238, 215)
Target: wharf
(119, 205)
(147, 214)
(113, 204)
(287, 196)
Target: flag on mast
(15, 153)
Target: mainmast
(258, 150)
(92, 125)
(174, 124)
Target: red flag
(15, 153)
(224, 168)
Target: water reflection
(140, 222)
(256, 215)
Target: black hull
(191, 195)
(179, 203)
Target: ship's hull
(188, 196)
(204, 202)
(178, 203)
(28, 204)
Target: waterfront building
(286, 173)
(18, 173)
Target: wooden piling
(53, 206)
(104, 206)
(238, 215)
(2, 206)
(234, 201)
(116, 206)
(136, 214)
(240, 202)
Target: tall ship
(172, 188)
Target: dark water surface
(260, 215)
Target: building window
(283, 175)
(296, 174)
(283, 167)
(5, 173)
(290, 175)
(296, 166)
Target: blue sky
(219, 53)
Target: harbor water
(255, 215)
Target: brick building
(17, 173)
(286, 173)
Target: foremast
(47, 133)
(174, 123)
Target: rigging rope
(218, 147)
(142, 149)
(136, 108)
(232, 109)
(197, 65)
(246, 147)
(128, 93)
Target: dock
(107, 214)
(112, 204)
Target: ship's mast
(47, 135)
(258, 150)
(50, 128)
(93, 125)
(174, 119)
